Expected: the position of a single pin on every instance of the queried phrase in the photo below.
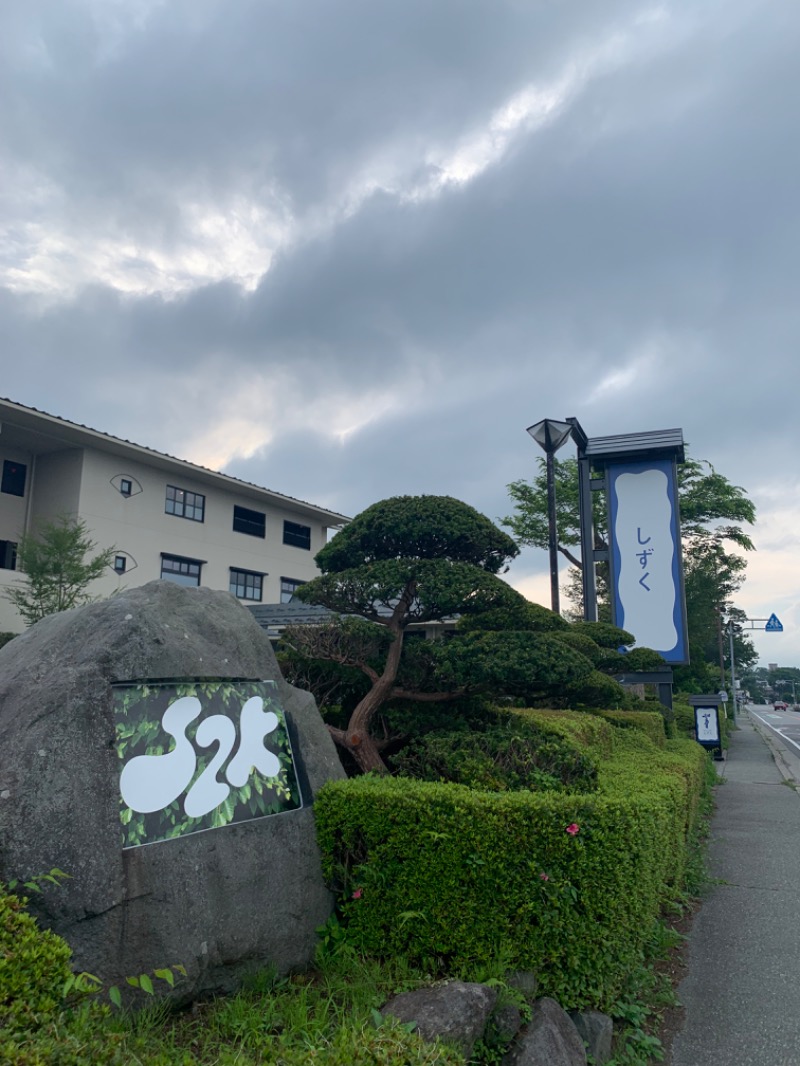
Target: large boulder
(218, 902)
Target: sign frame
(676, 654)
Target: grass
(328, 1016)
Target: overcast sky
(351, 250)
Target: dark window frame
(255, 520)
(8, 555)
(125, 486)
(184, 504)
(182, 561)
(296, 535)
(14, 478)
(295, 583)
(120, 564)
(253, 581)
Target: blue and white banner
(647, 596)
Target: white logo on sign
(151, 782)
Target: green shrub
(595, 690)
(507, 757)
(650, 723)
(34, 965)
(447, 876)
(684, 718)
(5, 638)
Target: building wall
(87, 482)
(55, 485)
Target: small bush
(5, 638)
(34, 966)
(505, 758)
(650, 723)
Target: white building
(165, 517)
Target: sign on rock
(200, 755)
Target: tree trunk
(356, 738)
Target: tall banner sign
(647, 594)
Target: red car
(779, 705)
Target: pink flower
(573, 829)
(358, 893)
(544, 877)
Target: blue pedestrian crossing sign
(774, 624)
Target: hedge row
(566, 885)
(650, 722)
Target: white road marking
(778, 731)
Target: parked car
(779, 705)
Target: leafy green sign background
(138, 709)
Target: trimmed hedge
(448, 876)
(651, 723)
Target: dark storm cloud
(293, 96)
(631, 259)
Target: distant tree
(712, 513)
(56, 569)
(423, 559)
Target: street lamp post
(733, 671)
(550, 435)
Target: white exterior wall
(75, 471)
(139, 527)
(55, 485)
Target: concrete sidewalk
(742, 989)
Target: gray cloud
(428, 273)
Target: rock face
(550, 1039)
(596, 1030)
(217, 902)
(457, 1012)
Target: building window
(254, 523)
(297, 536)
(126, 486)
(13, 482)
(8, 555)
(185, 504)
(120, 564)
(289, 586)
(181, 571)
(247, 584)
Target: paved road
(783, 731)
(742, 989)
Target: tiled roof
(335, 516)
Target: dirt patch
(674, 968)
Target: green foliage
(595, 690)
(5, 638)
(514, 613)
(567, 884)
(418, 527)
(604, 634)
(413, 560)
(650, 723)
(424, 589)
(55, 568)
(511, 755)
(329, 1017)
(34, 965)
